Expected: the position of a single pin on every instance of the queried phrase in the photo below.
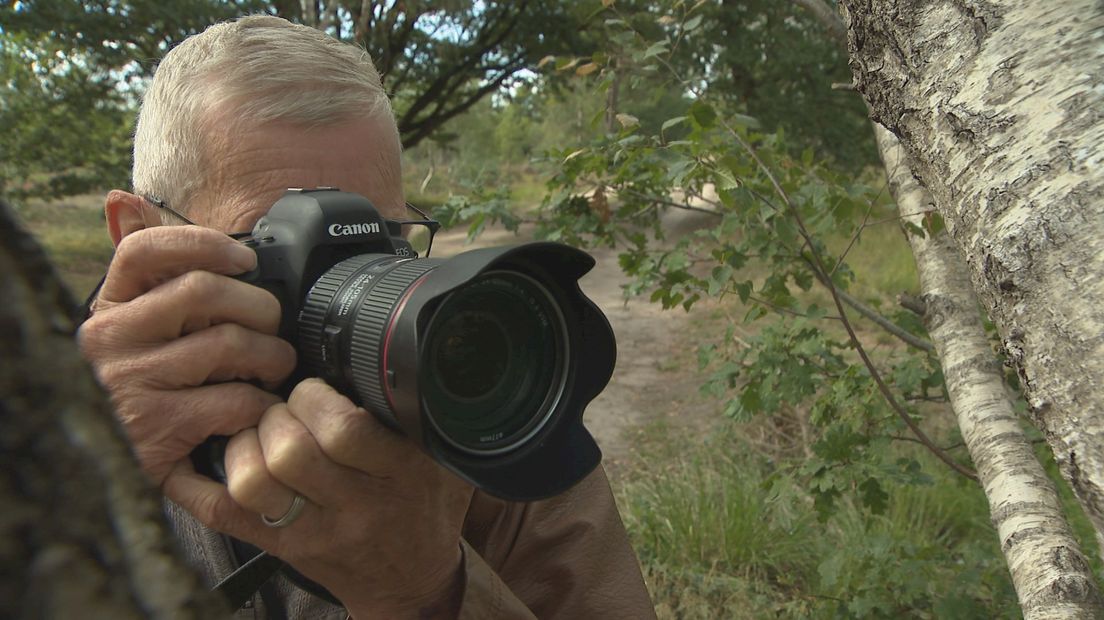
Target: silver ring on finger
(290, 516)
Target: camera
(486, 360)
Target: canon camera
(486, 360)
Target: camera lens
(490, 360)
(494, 364)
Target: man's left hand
(381, 525)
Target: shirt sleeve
(564, 557)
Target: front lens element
(467, 336)
(493, 365)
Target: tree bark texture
(1000, 106)
(1051, 576)
(81, 529)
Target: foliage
(66, 127)
(89, 61)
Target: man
(233, 117)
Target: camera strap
(240, 586)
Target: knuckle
(133, 251)
(195, 285)
(227, 338)
(286, 455)
(342, 433)
(246, 481)
(90, 336)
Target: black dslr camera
(486, 360)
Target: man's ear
(127, 213)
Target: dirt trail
(649, 380)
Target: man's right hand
(173, 338)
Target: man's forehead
(251, 167)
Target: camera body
(308, 231)
(485, 360)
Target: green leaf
(725, 180)
(703, 114)
(743, 120)
(671, 122)
(873, 496)
(692, 23)
(933, 223)
(743, 289)
(655, 49)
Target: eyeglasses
(431, 225)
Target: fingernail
(242, 257)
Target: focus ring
(369, 331)
(312, 317)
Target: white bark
(1051, 576)
(1000, 106)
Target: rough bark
(1051, 576)
(82, 530)
(1000, 106)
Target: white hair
(263, 68)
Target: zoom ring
(312, 317)
(369, 327)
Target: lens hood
(561, 451)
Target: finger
(249, 481)
(293, 457)
(226, 352)
(165, 426)
(211, 503)
(147, 258)
(345, 433)
(199, 299)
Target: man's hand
(381, 526)
(172, 338)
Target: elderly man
(233, 117)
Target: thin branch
(961, 444)
(911, 302)
(669, 203)
(886, 324)
(820, 269)
(854, 237)
(777, 308)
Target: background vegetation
(807, 494)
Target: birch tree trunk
(1000, 106)
(82, 531)
(1051, 576)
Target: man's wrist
(441, 603)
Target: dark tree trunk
(81, 528)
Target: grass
(75, 236)
(719, 536)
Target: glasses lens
(419, 238)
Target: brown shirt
(564, 557)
